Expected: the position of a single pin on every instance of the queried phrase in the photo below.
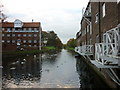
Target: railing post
(103, 50)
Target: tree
(52, 39)
(71, 43)
(2, 15)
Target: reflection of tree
(50, 58)
(88, 79)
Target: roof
(25, 24)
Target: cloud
(62, 16)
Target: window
(13, 35)
(3, 35)
(30, 29)
(3, 29)
(8, 41)
(19, 35)
(103, 9)
(24, 35)
(90, 28)
(8, 35)
(24, 29)
(87, 28)
(97, 18)
(36, 29)
(29, 41)
(3, 41)
(13, 29)
(13, 41)
(8, 29)
(24, 41)
(35, 41)
(35, 35)
(35, 45)
(29, 35)
(30, 45)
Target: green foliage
(71, 43)
(52, 39)
(49, 48)
(44, 50)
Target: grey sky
(61, 16)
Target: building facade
(98, 40)
(20, 35)
(100, 30)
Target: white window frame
(87, 28)
(19, 35)
(35, 41)
(103, 10)
(35, 35)
(8, 41)
(30, 41)
(3, 35)
(90, 28)
(30, 45)
(35, 45)
(13, 35)
(3, 29)
(24, 41)
(13, 41)
(29, 35)
(3, 41)
(24, 35)
(96, 18)
(8, 35)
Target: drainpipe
(86, 35)
(99, 22)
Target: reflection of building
(21, 35)
(22, 69)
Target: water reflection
(88, 78)
(20, 70)
(55, 70)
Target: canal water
(55, 70)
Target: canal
(56, 70)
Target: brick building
(100, 30)
(20, 35)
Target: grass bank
(70, 48)
(17, 53)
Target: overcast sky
(61, 16)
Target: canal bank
(100, 72)
(18, 53)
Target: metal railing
(85, 49)
(107, 52)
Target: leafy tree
(52, 39)
(71, 43)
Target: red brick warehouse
(20, 35)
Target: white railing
(109, 47)
(85, 49)
(102, 50)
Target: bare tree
(2, 15)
